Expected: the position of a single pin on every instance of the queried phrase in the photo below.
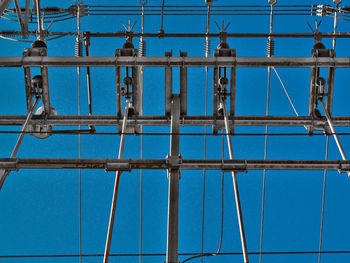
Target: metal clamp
(174, 162)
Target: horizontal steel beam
(201, 35)
(186, 164)
(229, 35)
(191, 120)
(293, 62)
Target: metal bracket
(130, 82)
(169, 86)
(38, 48)
(318, 85)
(174, 162)
(223, 50)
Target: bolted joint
(161, 33)
(321, 87)
(37, 86)
(174, 162)
(86, 39)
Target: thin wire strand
(264, 173)
(181, 254)
(79, 136)
(323, 202)
(285, 90)
(205, 137)
(266, 139)
(141, 200)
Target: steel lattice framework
(130, 64)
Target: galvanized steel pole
(174, 177)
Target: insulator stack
(79, 48)
(142, 47)
(207, 46)
(270, 49)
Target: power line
(180, 254)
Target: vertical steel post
(118, 81)
(168, 89)
(330, 89)
(235, 186)
(183, 87)
(174, 177)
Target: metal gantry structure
(130, 63)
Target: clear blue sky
(39, 208)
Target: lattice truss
(254, 93)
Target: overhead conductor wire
(207, 51)
(323, 202)
(78, 53)
(331, 252)
(270, 49)
(202, 254)
(141, 53)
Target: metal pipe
(3, 172)
(40, 24)
(116, 186)
(340, 148)
(229, 35)
(174, 177)
(186, 35)
(19, 16)
(186, 164)
(155, 120)
(235, 186)
(288, 62)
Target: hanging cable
(142, 45)
(141, 200)
(285, 90)
(270, 52)
(222, 210)
(323, 202)
(142, 53)
(207, 52)
(79, 53)
(330, 252)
